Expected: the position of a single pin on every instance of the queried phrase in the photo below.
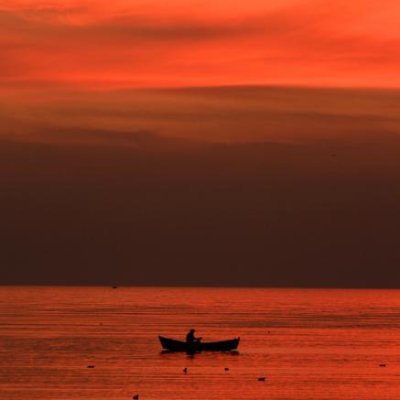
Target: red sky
(148, 43)
(149, 135)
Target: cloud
(155, 118)
(147, 44)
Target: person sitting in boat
(190, 338)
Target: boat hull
(177, 345)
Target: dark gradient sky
(226, 186)
(245, 143)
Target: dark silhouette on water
(196, 346)
(190, 338)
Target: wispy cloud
(148, 44)
(202, 115)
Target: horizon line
(118, 286)
(127, 86)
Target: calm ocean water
(310, 344)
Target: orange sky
(148, 43)
(156, 134)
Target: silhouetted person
(190, 338)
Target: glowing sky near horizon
(151, 43)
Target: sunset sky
(153, 43)
(257, 142)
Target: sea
(102, 343)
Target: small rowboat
(177, 345)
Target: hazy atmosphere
(242, 144)
(213, 186)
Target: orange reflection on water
(309, 344)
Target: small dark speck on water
(185, 370)
(90, 366)
(382, 365)
(261, 378)
(226, 369)
(135, 397)
(115, 287)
